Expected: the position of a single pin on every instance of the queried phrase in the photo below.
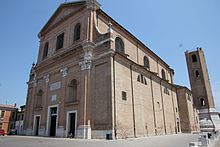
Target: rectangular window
(54, 97)
(11, 126)
(124, 95)
(60, 40)
(13, 115)
(2, 114)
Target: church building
(94, 79)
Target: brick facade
(8, 117)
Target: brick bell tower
(201, 90)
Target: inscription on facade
(55, 86)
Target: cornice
(141, 68)
(61, 55)
(108, 18)
(46, 28)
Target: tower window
(124, 95)
(194, 58)
(46, 46)
(197, 73)
(119, 45)
(146, 62)
(202, 102)
(60, 40)
(163, 74)
(77, 31)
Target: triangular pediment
(64, 11)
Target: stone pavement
(179, 140)
(217, 144)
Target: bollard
(204, 141)
(193, 144)
(209, 135)
(215, 135)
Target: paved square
(180, 140)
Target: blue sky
(167, 27)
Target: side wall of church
(188, 113)
(147, 109)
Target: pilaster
(84, 130)
(64, 74)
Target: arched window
(194, 58)
(197, 73)
(39, 98)
(142, 79)
(146, 62)
(119, 45)
(73, 90)
(163, 74)
(46, 46)
(77, 32)
(139, 78)
(145, 81)
(202, 102)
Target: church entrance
(36, 125)
(53, 121)
(71, 124)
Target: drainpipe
(155, 124)
(174, 111)
(85, 105)
(178, 126)
(132, 97)
(164, 121)
(115, 126)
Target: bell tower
(201, 90)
